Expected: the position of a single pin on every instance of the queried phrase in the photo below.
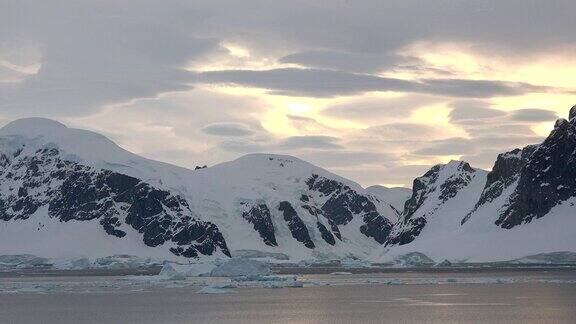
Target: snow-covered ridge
(263, 202)
(432, 198)
(88, 148)
(60, 185)
(395, 197)
(524, 206)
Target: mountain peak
(572, 114)
(34, 126)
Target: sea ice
(214, 290)
(173, 271)
(73, 263)
(21, 261)
(443, 264)
(549, 258)
(241, 267)
(124, 261)
(413, 259)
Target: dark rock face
(376, 226)
(505, 172)
(342, 204)
(259, 216)
(421, 187)
(406, 230)
(411, 228)
(451, 187)
(72, 191)
(296, 225)
(547, 177)
(326, 235)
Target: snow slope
(482, 241)
(395, 197)
(68, 193)
(525, 206)
(52, 175)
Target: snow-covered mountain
(72, 192)
(395, 197)
(69, 192)
(524, 206)
(437, 198)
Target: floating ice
(80, 263)
(22, 261)
(169, 272)
(549, 258)
(214, 290)
(340, 273)
(413, 259)
(355, 263)
(241, 267)
(254, 254)
(175, 271)
(443, 264)
(124, 261)
(284, 282)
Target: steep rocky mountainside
(430, 196)
(395, 197)
(547, 178)
(76, 192)
(259, 202)
(73, 192)
(457, 210)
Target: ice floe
(241, 267)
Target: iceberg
(241, 267)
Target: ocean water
(527, 297)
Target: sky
(375, 91)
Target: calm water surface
(541, 298)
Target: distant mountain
(437, 197)
(71, 191)
(525, 205)
(395, 197)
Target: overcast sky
(377, 91)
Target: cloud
(318, 142)
(10, 75)
(377, 107)
(346, 158)
(283, 144)
(483, 159)
(228, 129)
(305, 82)
(403, 132)
(308, 124)
(383, 27)
(451, 146)
(471, 111)
(479, 88)
(472, 146)
(377, 174)
(533, 115)
(485, 129)
(95, 54)
(329, 83)
(137, 72)
(351, 62)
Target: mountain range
(71, 192)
